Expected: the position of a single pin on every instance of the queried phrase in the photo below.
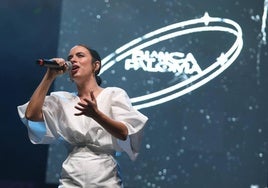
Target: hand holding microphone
(50, 63)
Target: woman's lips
(75, 69)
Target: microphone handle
(49, 63)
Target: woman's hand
(53, 72)
(88, 107)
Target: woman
(95, 122)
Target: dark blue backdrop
(29, 30)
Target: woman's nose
(72, 60)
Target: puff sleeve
(135, 121)
(41, 132)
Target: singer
(93, 122)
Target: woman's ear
(97, 67)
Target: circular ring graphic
(202, 24)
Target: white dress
(90, 162)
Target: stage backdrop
(197, 69)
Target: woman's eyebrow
(78, 53)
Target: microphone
(53, 64)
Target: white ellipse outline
(232, 54)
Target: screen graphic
(196, 69)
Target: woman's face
(83, 67)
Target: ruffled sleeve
(135, 121)
(40, 132)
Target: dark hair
(96, 57)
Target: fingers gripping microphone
(53, 64)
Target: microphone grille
(69, 65)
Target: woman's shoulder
(63, 94)
(115, 89)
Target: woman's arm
(34, 108)
(116, 128)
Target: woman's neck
(84, 90)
